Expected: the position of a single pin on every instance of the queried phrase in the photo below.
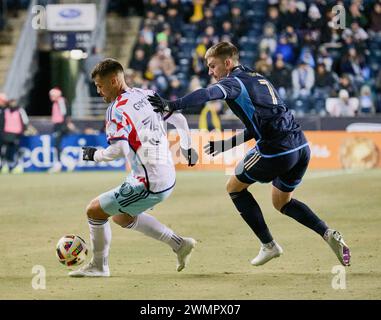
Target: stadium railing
(22, 68)
(87, 107)
(83, 105)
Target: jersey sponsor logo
(70, 13)
(133, 198)
(140, 104)
(39, 154)
(125, 190)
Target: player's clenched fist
(159, 104)
(88, 153)
(191, 155)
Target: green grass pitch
(37, 209)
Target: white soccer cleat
(184, 253)
(18, 169)
(336, 242)
(5, 169)
(90, 270)
(266, 253)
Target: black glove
(159, 104)
(191, 155)
(88, 153)
(214, 148)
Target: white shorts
(132, 197)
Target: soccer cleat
(90, 270)
(184, 253)
(266, 253)
(338, 246)
(5, 169)
(17, 170)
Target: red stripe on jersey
(117, 136)
(143, 179)
(133, 137)
(121, 103)
(119, 126)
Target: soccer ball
(71, 250)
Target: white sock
(100, 237)
(151, 227)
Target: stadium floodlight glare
(76, 54)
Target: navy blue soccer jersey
(255, 101)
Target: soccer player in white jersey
(136, 132)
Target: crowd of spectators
(303, 47)
(325, 59)
(10, 8)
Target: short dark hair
(107, 67)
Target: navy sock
(304, 215)
(252, 214)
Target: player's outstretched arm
(194, 99)
(115, 150)
(214, 148)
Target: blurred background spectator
(59, 120)
(303, 79)
(366, 102)
(343, 105)
(15, 122)
(3, 105)
(375, 20)
(280, 77)
(325, 82)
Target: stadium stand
(12, 16)
(293, 39)
(296, 44)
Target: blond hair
(224, 50)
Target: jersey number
(271, 89)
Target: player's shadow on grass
(227, 274)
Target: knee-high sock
(252, 214)
(151, 227)
(304, 215)
(100, 237)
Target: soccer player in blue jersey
(281, 154)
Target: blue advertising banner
(38, 153)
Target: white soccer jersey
(134, 130)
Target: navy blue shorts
(285, 171)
